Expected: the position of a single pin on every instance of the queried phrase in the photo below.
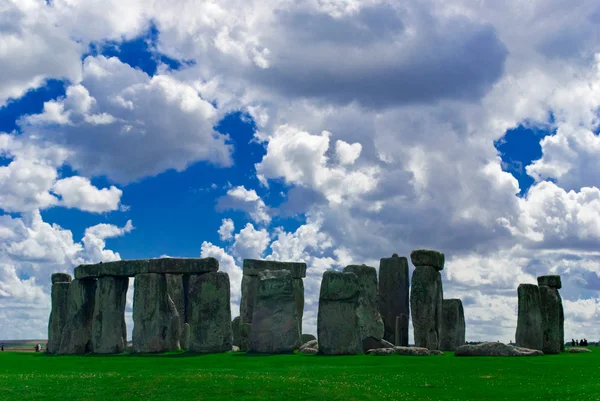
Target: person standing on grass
(2, 347)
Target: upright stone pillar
(235, 328)
(176, 292)
(77, 334)
(426, 297)
(369, 319)
(210, 313)
(529, 324)
(156, 325)
(251, 269)
(394, 297)
(60, 310)
(553, 318)
(338, 326)
(453, 325)
(109, 333)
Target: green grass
(237, 376)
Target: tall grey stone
(299, 299)
(59, 311)
(338, 327)
(77, 334)
(394, 297)
(185, 337)
(529, 324)
(249, 289)
(369, 319)
(155, 318)
(426, 295)
(109, 333)
(275, 328)
(210, 313)
(453, 325)
(176, 291)
(235, 329)
(553, 319)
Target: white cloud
(78, 192)
(240, 198)
(226, 264)
(250, 243)
(226, 229)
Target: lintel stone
(252, 267)
(550, 281)
(427, 257)
(130, 268)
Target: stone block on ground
(310, 344)
(427, 257)
(306, 338)
(529, 323)
(578, 350)
(77, 334)
(453, 325)
(412, 351)
(426, 297)
(394, 297)
(210, 313)
(109, 333)
(309, 351)
(495, 349)
(275, 327)
(59, 314)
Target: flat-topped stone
(61, 278)
(338, 286)
(252, 267)
(130, 268)
(427, 257)
(550, 281)
(495, 349)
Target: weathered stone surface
(369, 319)
(155, 318)
(235, 329)
(176, 292)
(58, 315)
(529, 324)
(453, 325)
(185, 337)
(130, 268)
(249, 289)
(245, 333)
(310, 344)
(252, 267)
(553, 320)
(495, 349)
(77, 333)
(427, 257)
(394, 297)
(299, 297)
(577, 350)
(426, 297)
(372, 343)
(275, 327)
(306, 338)
(436, 352)
(412, 351)
(309, 351)
(61, 278)
(109, 333)
(381, 351)
(338, 327)
(550, 281)
(210, 313)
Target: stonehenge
(77, 333)
(109, 333)
(338, 322)
(426, 297)
(275, 326)
(529, 323)
(59, 313)
(394, 298)
(453, 325)
(553, 318)
(495, 349)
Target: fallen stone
(59, 314)
(552, 281)
(529, 324)
(61, 278)
(372, 343)
(306, 338)
(77, 333)
(436, 352)
(578, 350)
(130, 268)
(426, 297)
(235, 329)
(369, 319)
(185, 337)
(381, 351)
(156, 325)
(309, 351)
(252, 267)
(394, 297)
(427, 257)
(495, 349)
(275, 328)
(453, 325)
(310, 344)
(412, 351)
(553, 320)
(210, 313)
(338, 327)
(109, 333)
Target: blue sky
(333, 133)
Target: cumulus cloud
(228, 265)
(247, 200)
(226, 229)
(250, 243)
(78, 192)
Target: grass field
(237, 376)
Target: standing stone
(245, 333)
(60, 310)
(155, 318)
(529, 324)
(299, 297)
(249, 289)
(275, 328)
(453, 325)
(394, 297)
(109, 333)
(369, 319)
(235, 329)
(175, 290)
(338, 326)
(426, 297)
(210, 313)
(185, 337)
(77, 334)
(553, 319)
